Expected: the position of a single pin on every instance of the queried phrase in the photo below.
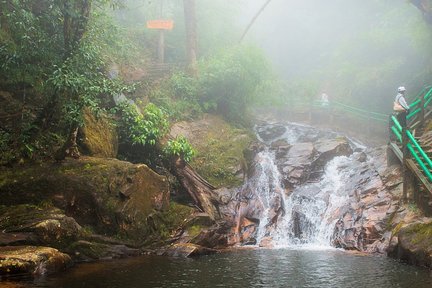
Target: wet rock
(89, 251)
(328, 149)
(186, 250)
(210, 238)
(414, 244)
(271, 132)
(297, 164)
(32, 260)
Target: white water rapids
(307, 219)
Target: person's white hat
(401, 89)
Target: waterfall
(306, 215)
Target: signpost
(161, 25)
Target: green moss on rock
(98, 136)
(219, 147)
(114, 197)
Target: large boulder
(415, 244)
(32, 260)
(111, 196)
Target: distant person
(400, 106)
(324, 100)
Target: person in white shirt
(402, 106)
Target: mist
(360, 50)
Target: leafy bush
(180, 147)
(142, 128)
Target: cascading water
(305, 215)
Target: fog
(350, 48)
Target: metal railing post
(404, 162)
(422, 111)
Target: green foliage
(180, 147)
(232, 80)
(142, 128)
(184, 86)
(6, 153)
(30, 47)
(81, 78)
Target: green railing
(413, 147)
(422, 101)
(353, 111)
(416, 106)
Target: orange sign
(160, 24)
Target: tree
(191, 35)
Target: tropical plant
(179, 147)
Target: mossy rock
(219, 147)
(415, 244)
(114, 197)
(98, 136)
(46, 226)
(32, 260)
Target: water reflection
(249, 268)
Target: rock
(32, 260)
(221, 157)
(415, 244)
(210, 238)
(29, 224)
(271, 132)
(98, 136)
(328, 149)
(89, 251)
(297, 164)
(186, 250)
(113, 197)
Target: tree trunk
(70, 148)
(191, 36)
(75, 21)
(198, 188)
(76, 16)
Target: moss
(194, 230)
(162, 225)
(421, 233)
(397, 228)
(220, 154)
